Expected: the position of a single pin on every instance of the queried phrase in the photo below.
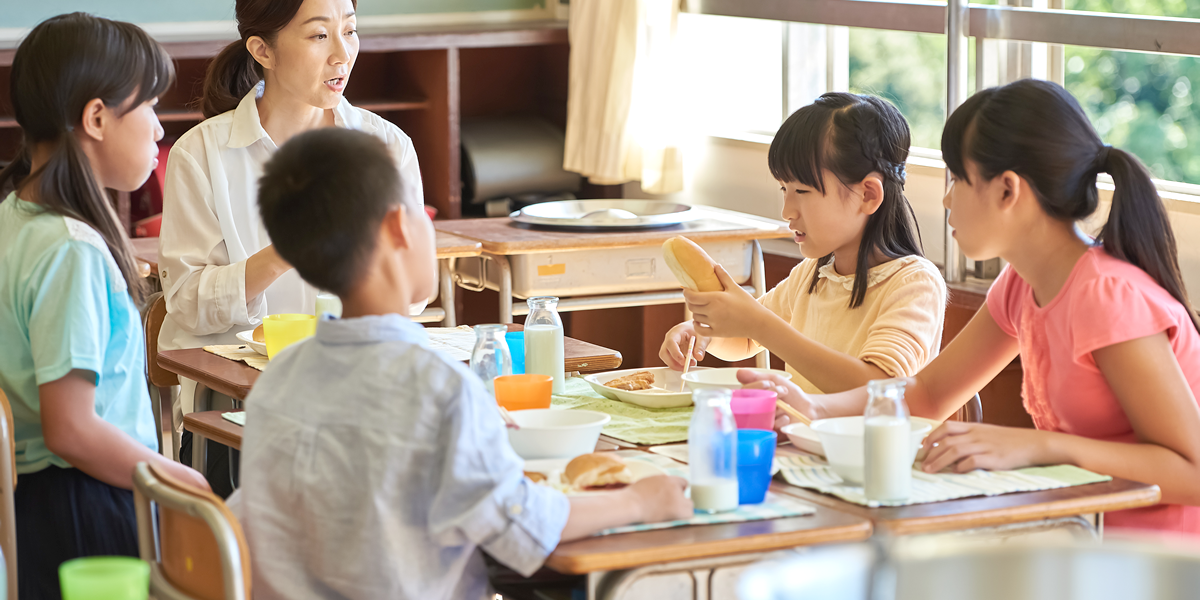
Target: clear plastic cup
(522, 392)
(283, 330)
(105, 578)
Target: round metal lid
(604, 214)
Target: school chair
(8, 482)
(164, 382)
(196, 548)
(972, 411)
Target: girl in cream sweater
(864, 304)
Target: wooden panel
(452, 246)
(432, 75)
(213, 426)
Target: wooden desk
(235, 378)
(213, 426)
(993, 511)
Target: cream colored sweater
(897, 328)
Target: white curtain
(623, 107)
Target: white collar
(247, 125)
(875, 275)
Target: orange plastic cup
(521, 392)
(283, 330)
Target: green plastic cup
(105, 578)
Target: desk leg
(200, 453)
(447, 284)
(758, 278)
(506, 297)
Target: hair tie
(1102, 159)
(900, 172)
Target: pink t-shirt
(1105, 301)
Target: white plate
(553, 469)
(803, 437)
(666, 380)
(247, 337)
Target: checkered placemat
(812, 472)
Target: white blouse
(211, 224)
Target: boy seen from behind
(374, 467)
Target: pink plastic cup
(754, 409)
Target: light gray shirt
(374, 467)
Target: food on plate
(259, 336)
(691, 265)
(535, 476)
(642, 380)
(597, 471)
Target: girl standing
(1107, 337)
(864, 304)
(73, 358)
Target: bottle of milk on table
(544, 341)
(887, 452)
(712, 452)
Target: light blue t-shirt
(64, 305)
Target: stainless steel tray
(605, 214)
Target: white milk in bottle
(887, 452)
(544, 353)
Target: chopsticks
(687, 363)
(508, 420)
(793, 413)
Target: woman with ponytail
(865, 303)
(1107, 337)
(72, 360)
(284, 76)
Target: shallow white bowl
(247, 337)
(665, 393)
(555, 433)
(842, 441)
(724, 378)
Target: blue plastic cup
(516, 347)
(755, 452)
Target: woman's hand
(675, 344)
(732, 313)
(970, 446)
(786, 390)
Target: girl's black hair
(64, 63)
(852, 136)
(234, 72)
(1037, 130)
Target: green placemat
(631, 423)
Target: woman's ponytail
(1138, 230)
(230, 76)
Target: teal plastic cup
(105, 578)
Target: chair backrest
(159, 377)
(196, 549)
(971, 412)
(8, 482)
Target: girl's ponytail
(1037, 130)
(1138, 230)
(230, 76)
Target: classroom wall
(21, 14)
(733, 174)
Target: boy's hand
(675, 344)
(733, 313)
(660, 498)
(785, 389)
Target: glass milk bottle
(712, 452)
(328, 303)
(887, 451)
(544, 341)
(490, 358)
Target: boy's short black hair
(322, 198)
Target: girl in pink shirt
(1108, 342)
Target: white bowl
(842, 440)
(555, 433)
(247, 338)
(725, 378)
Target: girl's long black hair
(64, 63)
(1037, 130)
(852, 136)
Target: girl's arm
(73, 431)
(1151, 388)
(975, 356)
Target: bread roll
(259, 336)
(598, 469)
(691, 265)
